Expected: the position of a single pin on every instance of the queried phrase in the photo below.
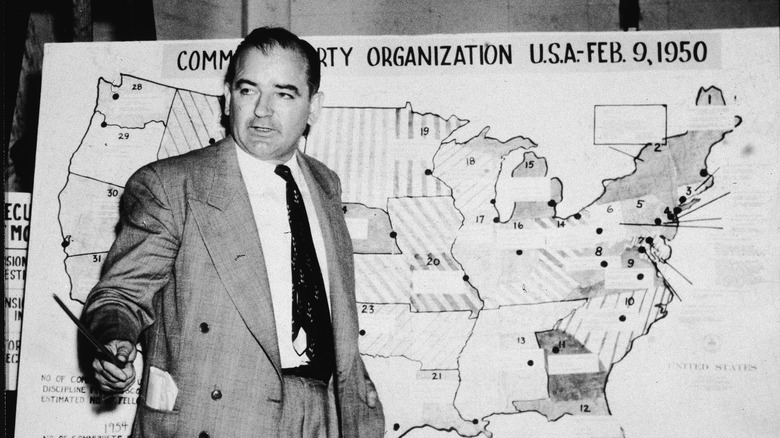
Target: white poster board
(557, 234)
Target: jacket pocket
(154, 423)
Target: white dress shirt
(268, 197)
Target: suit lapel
(225, 219)
(340, 267)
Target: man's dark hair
(267, 38)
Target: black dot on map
(577, 216)
(703, 172)
(649, 240)
(599, 230)
(530, 363)
(103, 125)
(640, 276)
(642, 250)
(677, 210)
(492, 201)
(362, 332)
(65, 243)
(683, 199)
(622, 318)
(555, 350)
(552, 203)
(212, 141)
(475, 421)
(658, 221)
(604, 264)
(496, 220)
(670, 216)
(396, 426)
(465, 278)
(519, 252)
(393, 234)
(428, 172)
(115, 96)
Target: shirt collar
(254, 167)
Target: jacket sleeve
(139, 263)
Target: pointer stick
(90, 337)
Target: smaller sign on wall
(17, 234)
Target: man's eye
(286, 96)
(245, 91)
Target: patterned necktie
(310, 313)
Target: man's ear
(315, 105)
(226, 94)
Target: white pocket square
(161, 391)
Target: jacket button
(204, 328)
(216, 394)
(203, 434)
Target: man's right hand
(112, 378)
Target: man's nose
(263, 107)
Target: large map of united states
(475, 296)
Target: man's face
(269, 105)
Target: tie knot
(284, 172)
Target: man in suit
(246, 315)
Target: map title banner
(495, 53)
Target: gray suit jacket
(186, 275)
